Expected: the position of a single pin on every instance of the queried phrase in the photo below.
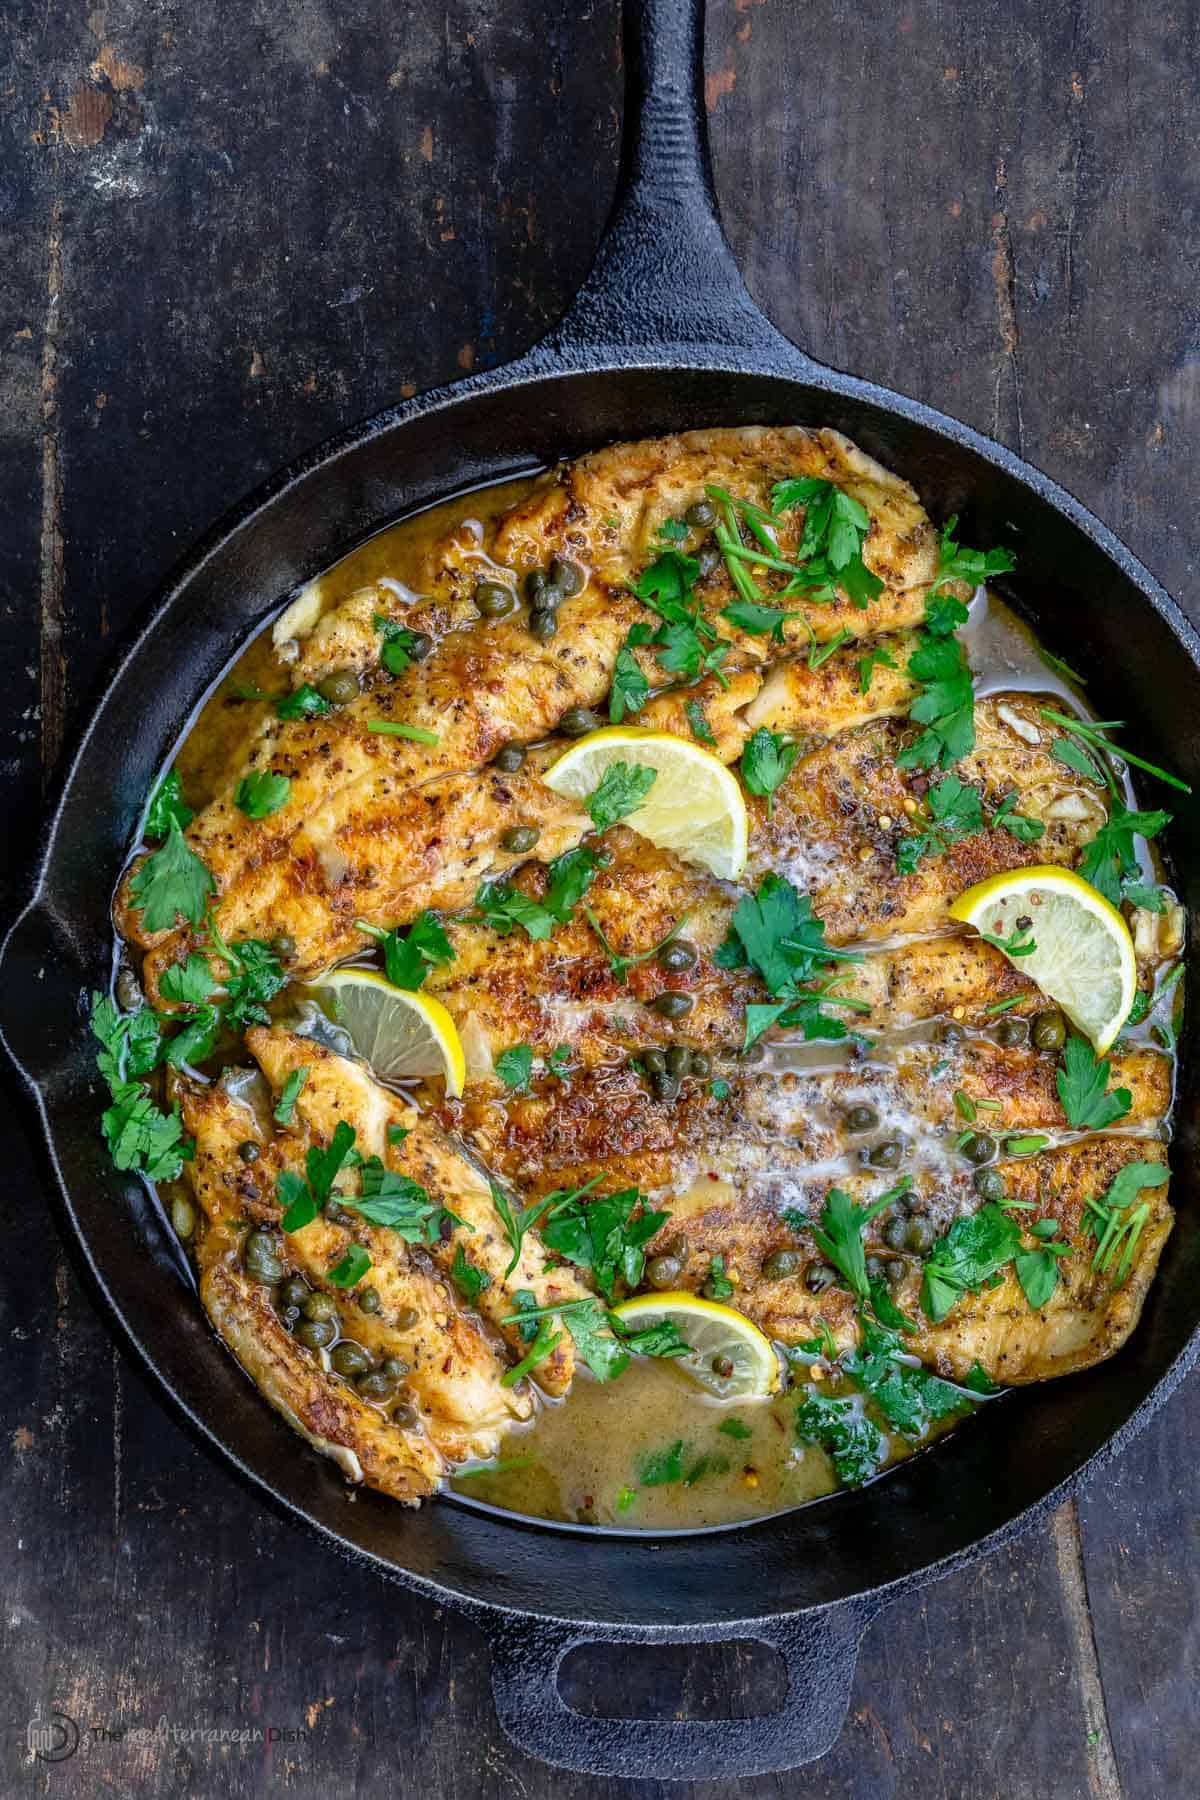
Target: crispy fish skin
(489, 682)
(337, 1088)
(454, 1373)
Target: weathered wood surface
(230, 230)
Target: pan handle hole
(737, 1679)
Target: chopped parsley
(701, 729)
(718, 1285)
(1094, 733)
(603, 1235)
(409, 956)
(831, 543)
(954, 811)
(138, 1133)
(504, 907)
(685, 643)
(621, 790)
(1026, 831)
(261, 793)
(621, 964)
(396, 1201)
(661, 1339)
(839, 1234)
(776, 932)
(767, 762)
(571, 875)
(171, 881)
(303, 703)
(416, 734)
(973, 1250)
(1019, 942)
(630, 690)
(842, 1429)
(734, 1428)
(514, 1066)
(945, 706)
(350, 1270)
(167, 805)
(820, 653)
(757, 619)
(957, 563)
(286, 1104)
(303, 1196)
(398, 644)
(867, 665)
(545, 1343)
(1082, 1083)
(1110, 858)
(1118, 1219)
(517, 1223)
(660, 1467)
(470, 1281)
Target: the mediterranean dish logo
(55, 1736)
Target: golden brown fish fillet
(337, 1088)
(453, 1378)
(489, 682)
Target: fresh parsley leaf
(867, 665)
(855, 1445)
(167, 806)
(140, 1136)
(661, 1467)
(779, 935)
(1095, 734)
(171, 881)
(1037, 1272)
(254, 976)
(1019, 942)
(979, 1381)
(603, 1235)
(189, 983)
(414, 734)
(470, 1281)
(957, 563)
(944, 614)
(398, 644)
(621, 790)
(403, 1205)
(593, 1337)
(666, 584)
(630, 689)
(719, 1089)
(1110, 856)
(558, 1062)
(973, 1250)
(945, 705)
(955, 811)
(672, 531)
(261, 793)
(909, 1399)
(701, 729)
(734, 1428)
(570, 877)
(544, 1345)
(409, 956)
(662, 1339)
(302, 1197)
(839, 1235)
(289, 1096)
(350, 1270)
(504, 907)
(525, 1301)
(303, 703)
(1074, 756)
(621, 963)
(1082, 1085)
(821, 653)
(514, 1066)
(759, 620)
(718, 1285)
(767, 762)
(194, 1040)
(1026, 831)
(1141, 894)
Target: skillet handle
(664, 272)
(820, 1651)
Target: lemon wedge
(1082, 956)
(720, 1339)
(695, 808)
(403, 1036)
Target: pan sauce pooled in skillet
(673, 1152)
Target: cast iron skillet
(663, 337)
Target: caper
(509, 759)
(550, 598)
(950, 1033)
(1010, 1031)
(886, 1155)
(290, 1315)
(874, 1267)
(666, 1087)
(406, 1318)
(339, 687)
(293, 1291)
(493, 600)
(536, 583)
(373, 1384)
(422, 646)
(1049, 1031)
(701, 1064)
(567, 575)
(677, 956)
(368, 1300)
(314, 1334)
(319, 1306)
(395, 1367)
(679, 1060)
(249, 1151)
(709, 558)
(349, 1359)
(895, 1233)
(979, 1147)
(700, 515)
(780, 1264)
(577, 721)
(722, 1366)
(405, 1414)
(262, 1257)
(678, 1246)
(284, 946)
(663, 1271)
(129, 991)
(672, 1006)
(183, 1216)
(335, 1212)
(861, 1118)
(895, 1271)
(654, 1062)
(519, 838)
(988, 1184)
(919, 1234)
(820, 1275)
(543, 624)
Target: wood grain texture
(230, 231)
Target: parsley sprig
(139, 1135)
(946, 704)
(409, 956)
(1082, 1084)
(776, 933)
(957, 563)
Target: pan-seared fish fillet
(489, 682)
(337, 1088)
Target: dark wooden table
(231, 230)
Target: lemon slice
(695, 807)
(1083, 957)
(718, 1336)
(403, 1036)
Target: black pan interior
(1087, 599)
